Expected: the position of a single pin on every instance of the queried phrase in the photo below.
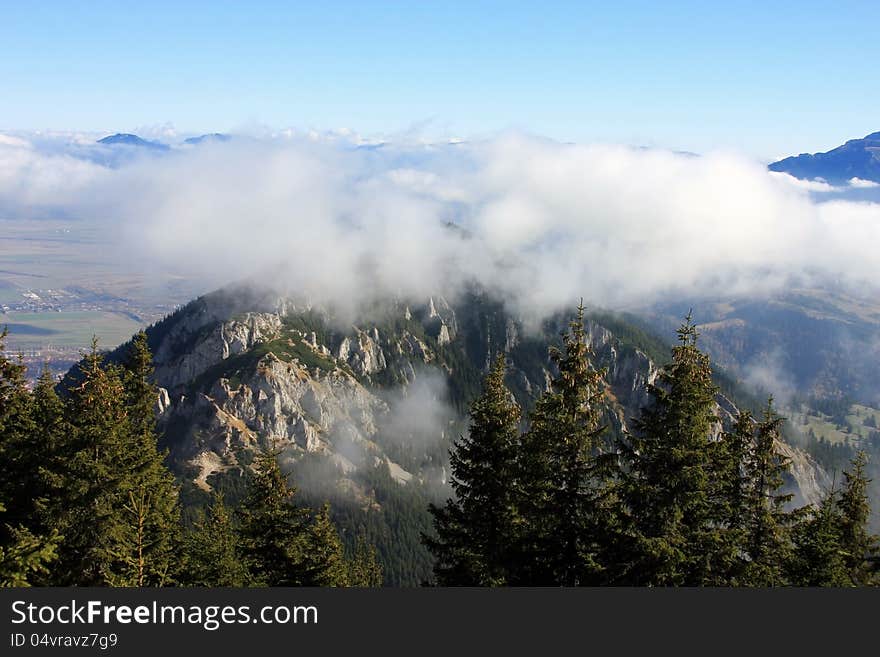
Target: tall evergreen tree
(42, 462)
(272, 529)
(768, 523)
(25, 557)
(151, 509)
(17, 429)
(211, 552)
(817, 556)
(364, 569)
(666, 473)
(119, 513)
(13, 389)
(565, 479)
(856, 543)
(325, 563)
(141, 393)
(283, 545)
(475, 531)
(731, 496)
(94, 491)
(28, 543)
(52, 448)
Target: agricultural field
(67, 329)
(62, 282)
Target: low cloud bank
(540, 222)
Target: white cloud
(768, 373)
(862, 184)
(32, 181)
(815, 185)
(14, 142)
(544, 223)
(165, 132)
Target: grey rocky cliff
(807, 481)
(362, 352)
(280, 406)
(283, 376)
(217, 343)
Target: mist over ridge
(541, 223)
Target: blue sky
(765, 78)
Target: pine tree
(32, 478)
(119, 512)
(856, 543)
(324, 562)
(283, 544)
(94, 491)
(666, 472)
(17, 429)
(28, 541)
(475, 531)
(565, 479)
(731, 496)
(211, 552)
(51, 446)
(13, 389)
(364, 569)
(152, 513)
(767, 528)
(818, 558)
(140, 393)
(272, 531)
(24, 556)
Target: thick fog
(540, 222)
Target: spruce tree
(767, 529)
(94, 490)
(151, 509)
(474, 533)
(667, 475)
(13, 390)
(272, 530)
(818, 558)
(324, 562)
(212, 555)
(283, 544)
(141, 394)
(856, 543)
(28, 539)
(364, 569)
(17, 461)
(25, 557)
(119, 512)
(51, 444)
(565, 482)
(731, 492)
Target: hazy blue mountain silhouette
(857, 158)
(214, 136)
(127, 139)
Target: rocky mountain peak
(274, 373)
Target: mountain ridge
(128, 139)
(857, 158)
(210, 137)
(363, 413)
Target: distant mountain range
(126, 139)
(857, 158)
(214, 136)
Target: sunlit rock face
(260, 371)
